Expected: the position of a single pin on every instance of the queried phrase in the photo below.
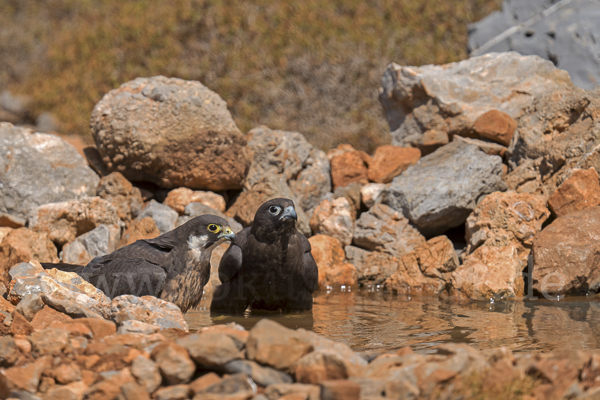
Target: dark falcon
(269, 267)
(174, 266)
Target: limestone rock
(329, 255)
(102, 240)
(147, 309)
(581, 190)
(322, 365)
(370, 193)
(170, 132)
(390, 161)
(119, 192)
(211, 349)
(441, 190)
(348, 165)
(39, 168)
(140, 228)
(334, 218)
(66, 220)
(234, 387)
(173, 362)
(263, 376)
(313, 183)
(146, 372)
(179, 198)
(385, 229)
(372, 267)
(164, 216)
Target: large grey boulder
(170, 132)
(100, 241)
(445, 100)
(39, 168)
(443, 188)
(568, 37)
(164, 216)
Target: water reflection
(373, 321)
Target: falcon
(174, 266)
(270, 266)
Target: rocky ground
(489, 191)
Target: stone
(102, 240)
(372, 267)
(488, 147)
(352, 193)
(49, 341)
(449, 98)
(322, 365)
(110, 386)
(139, 229)
(119, 192)
(387, 230)
(334, 218)
(370, 193)
(174, 363)
(443, 188)
(179, 198)
(9, 351)
(210, 349)
(60, 172)
(76, 330)
(233, 387)
(133, 391)
(164, 216)
(47, 316)
(340, 390)
(313, 183)
(66, 373)
(146, 373)
(581, 190)
(20, 326)
(100, 328)
(133, 326)
(349, 166)
(26, 377)
(11, 221)
(263, 376)
(204, 381)
(426, 270)
(235, 331)
(66, 220)
(22, 245)
(146, 309)
(495, 125)
(170, 132)
(30, 305)
(390, 161)
(274, 345)
(329, 255)
(307, 391)
(564, 255)
(176, 392)
(196, 209)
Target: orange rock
(204, 381)
(390, 161)
(334, 218)
(20, 325)
(331, 261)
(349, 166)
(178, 198)
(581, 190)
(496, 125)
(434, 139)
(100, 328)
(144, 228)
(26, 377)
(47, 316)
(126, 198)
(322, 365)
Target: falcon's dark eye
(214, 228)
(274, 210)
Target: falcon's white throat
(196, 245)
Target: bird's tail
(64, 267)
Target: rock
(210, 349)
(581, 190)
(306, 391)
(133, 326)
(235, 331)
(100, 328)
(11, 221)
(564, 255)
(271, 344)
(22, 245)
(565, 36)
(322, 365)
(233, 387)
(133, 391)
(66, 220)
(387, 230)
(179, 198)
(496, 126)
(142, 228)
(441, 190)
(60, 172)
(449, 98)
(110, 387)
(390, 161)
(176, 392)
(426, 270)
(9, 351)
(146, 309)
(170, 132)
(334, 271)
(263, 376)
(102, 240)
(30, 305)
(352, 193)
(196, 209)
(47, 316)
(340, 390)
(20, 326)
(26, 377)
(164, 216)
(313, 183)
(174, 363)
(349, 166)
(488, 147)
(204, 381)
(372, 267)
(370, 193)
(334, 218)
(66, 373)
(49, 341)
(147, 373)
(119, 192)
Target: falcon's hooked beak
(227, 234)
(289, 213)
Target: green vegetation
(311, 66)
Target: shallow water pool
(374, 321)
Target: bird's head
(276, 216)
(208, 231)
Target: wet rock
(272, 344)
(176, 392)
(372, 267)
(147, 373)
(119, 192)
(164, 216)
(211, 349)
(302, 390)
(142, 228)
(334, 218)
(426, 270)
(196, 209)
(179, 198)
(495, 125)
(330, 258)
(189, 136)
(385, 229)
(564, 254)
(348, 165)
(322, 365)
(263, 376)
(146, 309)
(581, 190)
(234, 387)
(26, 377)
(443, 188)
(390, 161)
(449, 98)
(60, 172)
(30, 305)
(174, 363)
(102, 240)
(340, 389)
(66, 220)
(22, 245)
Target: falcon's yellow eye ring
(214, 228)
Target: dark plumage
(269, 267)
(174, 266)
